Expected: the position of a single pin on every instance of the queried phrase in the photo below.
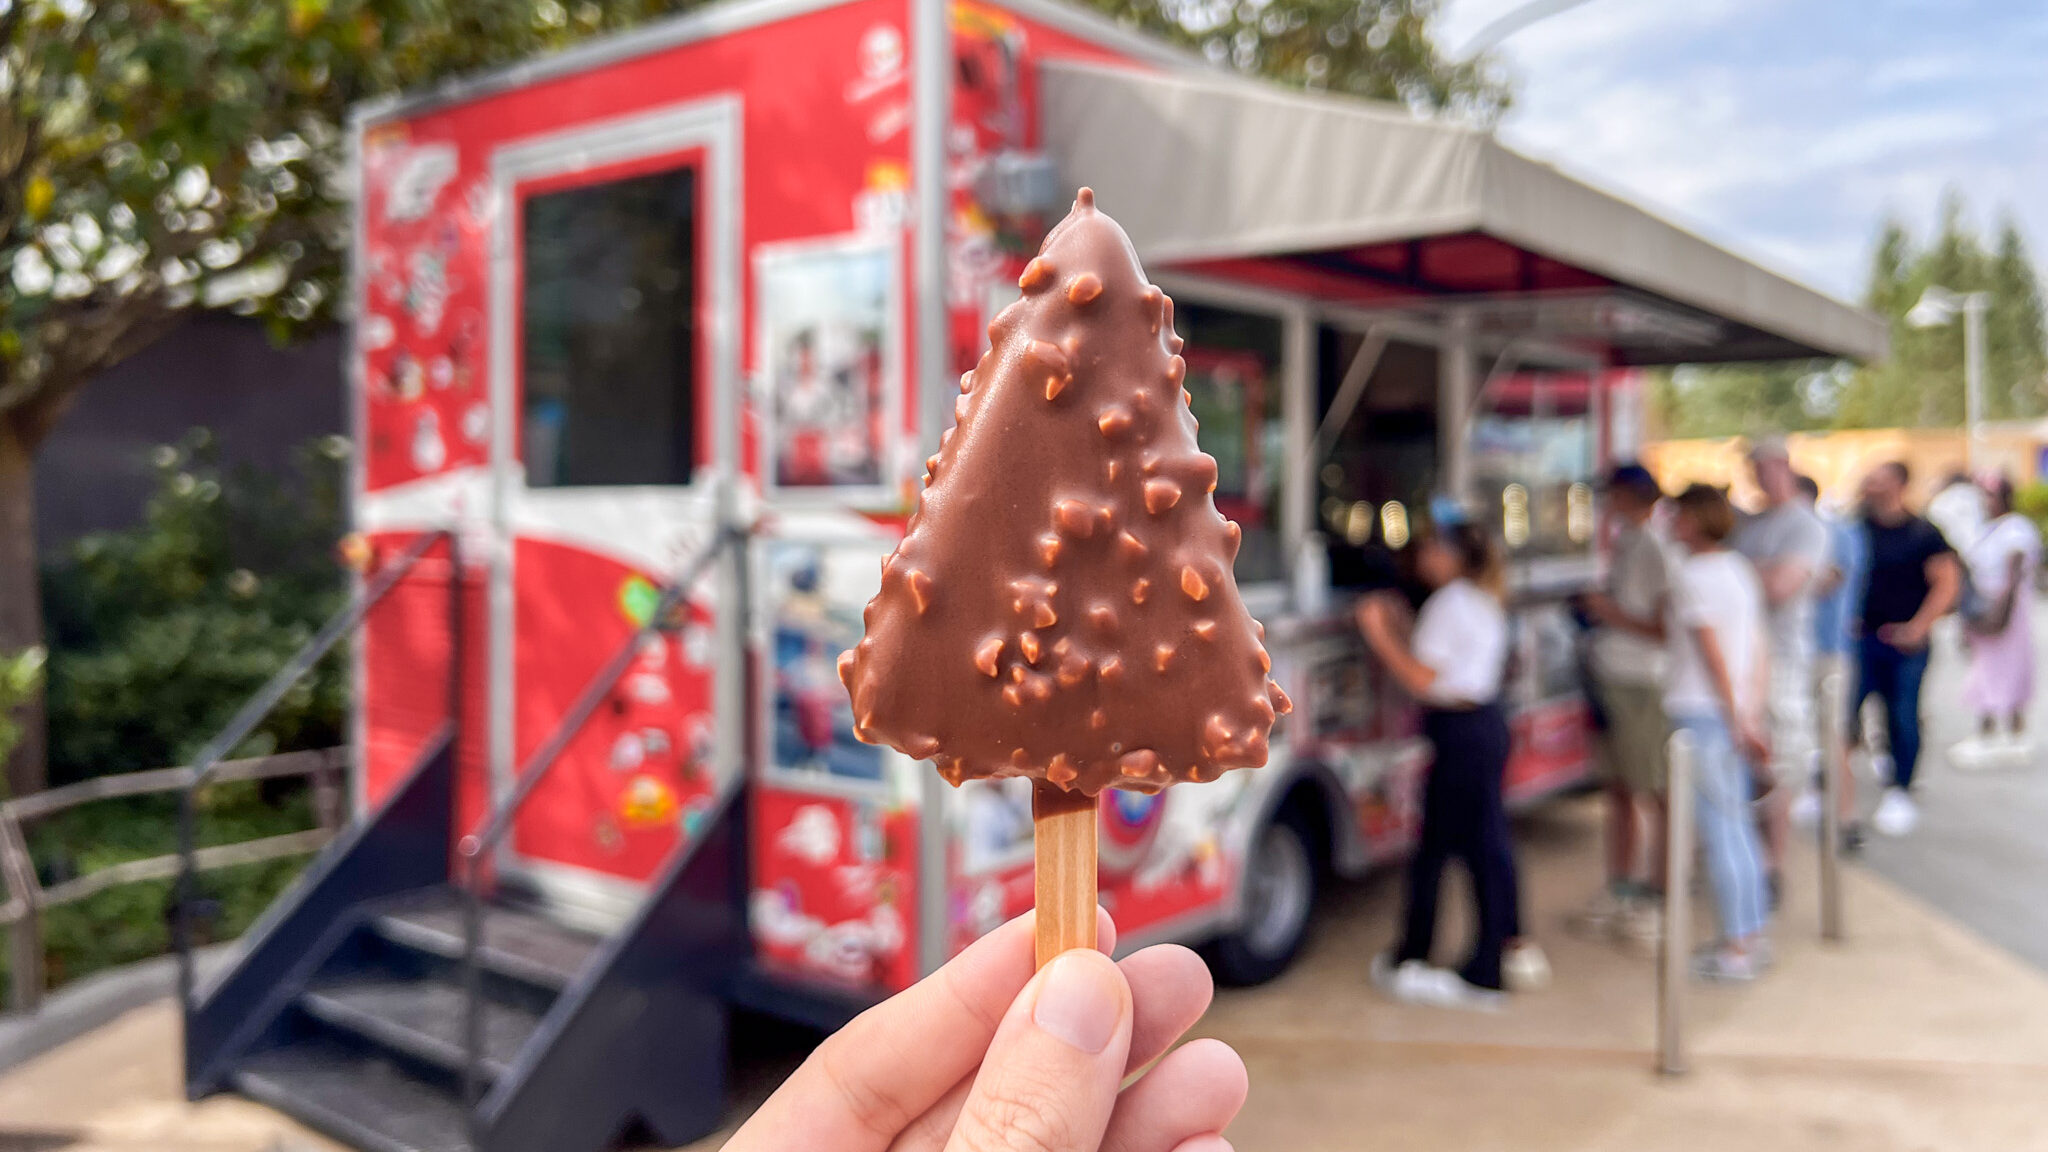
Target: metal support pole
(1675, 953)
(1834, 758)
(1974, 305)
(1297, 409)
(472, 997)
(1456, 387)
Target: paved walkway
(1917, 1034)
(1914, 1034)
(1981, 851)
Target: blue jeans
(1727, 828)
(1895, 676)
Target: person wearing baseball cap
(1628, 665)
(1787, 544)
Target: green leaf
(36, 200)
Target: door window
(609, 332)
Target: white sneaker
(1805, 810)
(1418, 982)
(1896, 814)
(2012, 750)
(1599, 916)
(1722, 964)
(1525, 967)
(1641, 926)
(1974, 754)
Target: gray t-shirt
(1789, 532)
(1638, 580)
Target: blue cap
(1632, 476)
(1447, 511)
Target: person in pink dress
(2003, 561)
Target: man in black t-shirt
(1913, 581)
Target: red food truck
(655, 334)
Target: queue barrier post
(1834, 769)
(1675, 951)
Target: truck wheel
(1280, 889)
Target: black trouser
(1465, 816)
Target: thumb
(1051, 1075)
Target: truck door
(613, 313)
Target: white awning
(1202, 167)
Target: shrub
(2031, 500)
(159, 632)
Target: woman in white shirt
(1453, 664)
(1714, 691)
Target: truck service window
(609, 338)
(1233, 380)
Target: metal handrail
(472, 848)
(259, 706)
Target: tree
(1921, 384)
(1745, 399)
(1380, 49)
(160, 156)
(160, 630)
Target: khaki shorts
(1795, 723)
(1632, 746)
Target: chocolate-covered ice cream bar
(1062, 605)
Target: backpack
(1981, 614)
(1972, 606)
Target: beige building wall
(1838, 460)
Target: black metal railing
(204, 764)
(472, 849)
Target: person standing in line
(1453, 663)
(1788, 546)
(2003, 562)
(1628, 679)
(1719, 666)
(1958, 509)
(1837, 592)
(1914, 581)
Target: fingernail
(1078, 1003)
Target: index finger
(871, 1079)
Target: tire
(1280, 892)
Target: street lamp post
(1937, 307)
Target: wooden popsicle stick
(1063, 845)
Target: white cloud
(1784, 130)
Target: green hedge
(2031, 500)
(158, 634)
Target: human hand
(1908, 637)
(983, 1054)
(1379, 618)
(1599, 607)
(1756, 748)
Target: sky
(1788, 129)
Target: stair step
(363, 1100)
(421, 1017)
(516, 944)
